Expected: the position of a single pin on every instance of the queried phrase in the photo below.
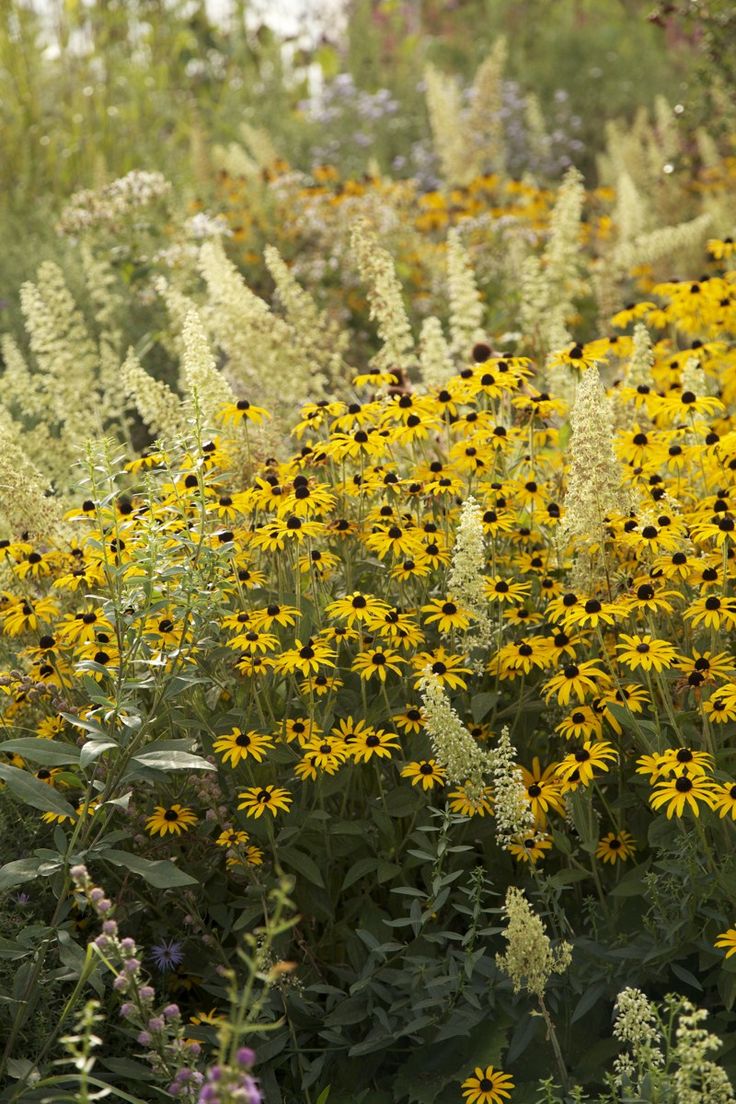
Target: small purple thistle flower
(167, 954)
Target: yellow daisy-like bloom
(679, 761)
(231, 837)
(543, 790)
(581, 766)
(427, 772)
(720, 248)
(173, 819)
(646, 653)
(575, 678)
(242, 411)
(470, 804)
(305, 658)
(237, 745)
(711, 612)
(250, 856)
(487, 1086)
(727, 941)
(377, 662)
(411, 720)
(681, 792)
(581, 724)
(530, 848)
(257, 799)
(449, 669)
(615, 847)
(446, 615)
(724, 800)
(373, 742)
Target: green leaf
(49, 752)
(322, 1098)
(32, 792)
(172, 760)
(632, 884)
(301, 863)
(685, 975)
(359, 870)
(162, 874)
(17, 872)
(93, 749)
(482, 704)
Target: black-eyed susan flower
(173, 819)
(231, 837)
(579, 679)
(645, 652)
(356, 607)
(256, 800)
(712, 612)
(243, 411)
(581, 766)
(724, 800)
(530, 847)
(615, 847)
(681, 792)
(411, 720)
(581, 724)
(727, 941)
(543, 790)
(377, 663)
(447, 615)
(448, 668)
(305, 658)
(684, 760)
(468, 801)
(425, 772)
(487, 1086)
(237, 745)
(373, 742)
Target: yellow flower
(580, 766)
(257, 799)
(646, 653)
(615, 847)
(237, 745)
(173, 818)
(530, 848)
(681, 791)
(487, 1086)
(727, 939)
(467, 803)
(377, 661)
(373, 742)
(446, 615)
(428, 772)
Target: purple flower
(167, 954)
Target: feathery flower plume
(434, 354)
(594, 483)
(484, 124)
(529, 960)
(465, 762)
(444, 106)
(156, 403)
(323, 342)
(26, 505)
(385, 296)
(205, 385)
(513, 813)
(62, 346)
(466, 306)
(637, 1025)
(465, 579)
(639, 369)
